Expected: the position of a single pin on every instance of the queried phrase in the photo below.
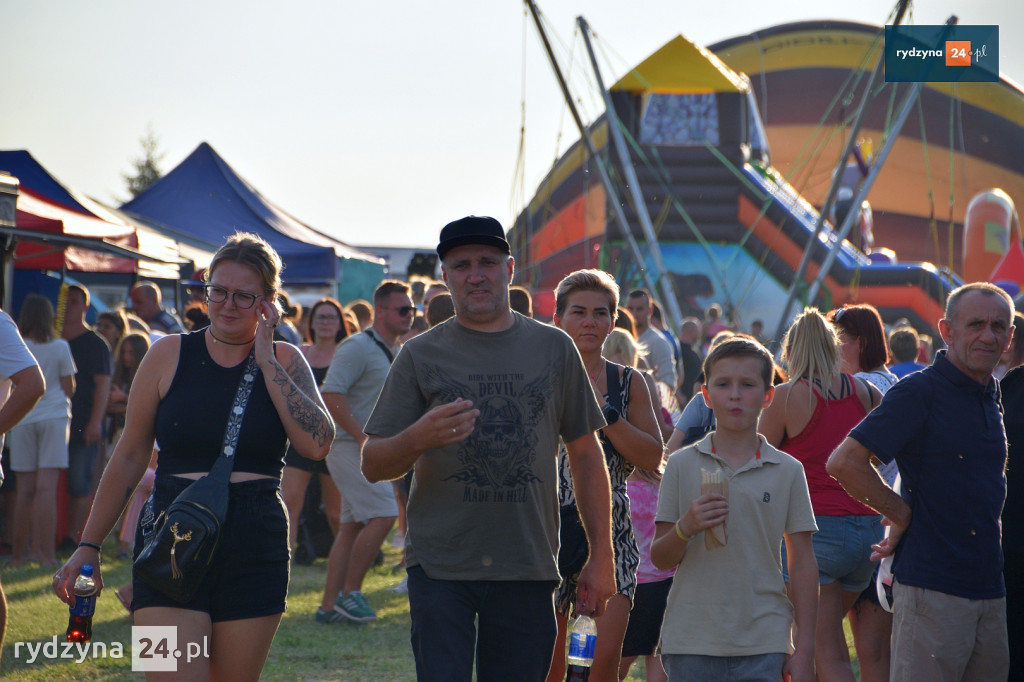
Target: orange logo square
(958, 53)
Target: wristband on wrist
(90, 545)
(611, 415)
(682, 536)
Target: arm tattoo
(297, 385)
(302, 377)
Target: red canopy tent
(54, 237)
(59, 228)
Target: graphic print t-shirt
(487, 508)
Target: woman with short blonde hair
(585, 307)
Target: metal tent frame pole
(633, 185)
(876, 167)
(592, 150)
(833, 189)
(798, 276)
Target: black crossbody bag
(181, 546)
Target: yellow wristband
(679, 532)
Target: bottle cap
(86, 570)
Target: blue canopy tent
(205, 198)
(32, 175)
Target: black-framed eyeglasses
(241, 299)
(326, 318)
(403, 310)
(839, 315)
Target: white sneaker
(398, 541)
(402, 587)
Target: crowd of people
(719, 513)
(72, 430)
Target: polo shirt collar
(950, 371)
(769, 455)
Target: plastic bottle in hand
(80, 615)
(581, 649)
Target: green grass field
(302, 650)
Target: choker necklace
(229, 343)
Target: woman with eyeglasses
(182, 396)
(326, 331)
(808, 418)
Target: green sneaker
(328, 617)
(354, 607)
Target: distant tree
(147, 167)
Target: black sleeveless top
(191, 419)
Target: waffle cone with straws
(715, 482)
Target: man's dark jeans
(508, 625)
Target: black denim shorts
(644, 630)
(314, 466)
(249, 575)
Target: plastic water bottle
(581, 649)
(80, 615)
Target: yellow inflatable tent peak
(681, 67)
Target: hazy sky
(377, 122)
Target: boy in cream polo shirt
(728, 615)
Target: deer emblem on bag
(175, 571)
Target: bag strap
(387, 351)
(871, 394)
(614, 387)
(226, 461)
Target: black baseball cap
(472, 230)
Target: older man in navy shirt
(943, 426)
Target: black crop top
(191, 419)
